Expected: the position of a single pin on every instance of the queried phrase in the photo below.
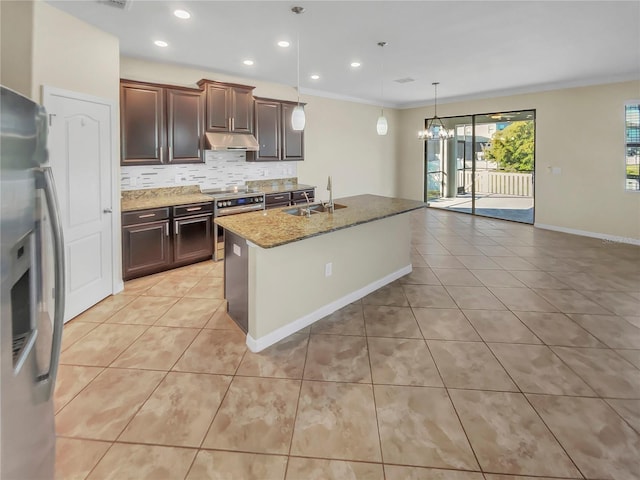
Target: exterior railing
(505, 183)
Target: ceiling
(473, 48)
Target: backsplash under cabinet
(221, 169)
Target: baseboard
(256, 345)
(584, 233)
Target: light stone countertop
(161, 197)
(171, 196)
(271, 228)
(284, 188)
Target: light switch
(328, 269)
(236, 250)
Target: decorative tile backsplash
(221, 169)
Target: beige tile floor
(509, 352)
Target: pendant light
(435, 127)
(382, 126)
(298, 118)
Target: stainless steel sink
(319, 207)
(301, 210)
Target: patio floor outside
(494, 205)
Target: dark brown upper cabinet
(185, 126)
(142, 124)
(229, 107)
(267, 131)
(292, 140)
(277, 140)
(160, 125)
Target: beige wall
(579, 130)
(340, 136)
(16, 45)
(42, 45)
(73, 55)
(357, 262)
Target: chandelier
(435, 127)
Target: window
(632, 146)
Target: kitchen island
(283, 272)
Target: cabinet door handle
(161, 155)
(229, 123)
(166, 229)
(194, 209)
(170, 153)
(177, 228)
(147, 215)
(233, 124)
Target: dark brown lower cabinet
(275, 200)
(146, 245)
(155, 240)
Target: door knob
(107, 210)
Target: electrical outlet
(328, 269)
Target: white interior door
(80, 152)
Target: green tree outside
(512, 148)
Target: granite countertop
(285, 188)
(278, 185)
(271, 228)
(162, 197)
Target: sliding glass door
(447, 158)
(484, 165)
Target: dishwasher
(192, 230)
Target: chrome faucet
(330, 188)
(308, 204)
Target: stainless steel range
(230, 202)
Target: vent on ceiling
(121, 4)
(405, 80)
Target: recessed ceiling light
(161, 43)
(355, 64)
(315, 77)
(183, 14)
(283, 43)
(248, 62)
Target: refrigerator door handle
(49, 378)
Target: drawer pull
(147, 215)
(194, 209)
(279, 198)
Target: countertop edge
(316, 234)
(174, 201)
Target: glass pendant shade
(382, 125)
(298, 118)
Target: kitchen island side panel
(288, 284)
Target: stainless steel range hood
(231, 141)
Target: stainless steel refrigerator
(32, 294)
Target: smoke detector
(405, 80)
(121, 4)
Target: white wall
(579, 130)
(340, 136)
